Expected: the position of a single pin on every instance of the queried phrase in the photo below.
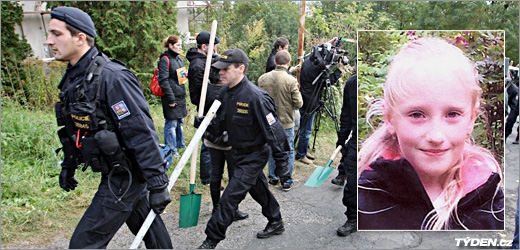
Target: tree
(14, 49)
(253, 26)
(130, 31)
(458, 15)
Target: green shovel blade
(320, 175)
(189, 209)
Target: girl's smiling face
(432, 121)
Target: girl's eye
(453, 114)
(416, 115)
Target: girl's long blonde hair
(381, 143)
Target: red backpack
(154, 84)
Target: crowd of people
(107, 126)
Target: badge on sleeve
(121, 110)
(270, 119)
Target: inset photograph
(431, 137)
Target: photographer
(314, 77)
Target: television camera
(325, 55)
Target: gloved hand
(221, 140)
(282, 171)
(198, 121)
(67, 180)
(159, 198)
(341, 139)
(340, 142)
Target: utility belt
(248, 150)
(103, 153)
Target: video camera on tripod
(325, 55)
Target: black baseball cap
(231, 56)
(75, 18)
(203, 38)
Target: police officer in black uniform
(348, 164)
(107, 127)
(248, 115)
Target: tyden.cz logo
(483, 242)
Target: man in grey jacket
(283, 88)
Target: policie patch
(270, 119)
(121, 110)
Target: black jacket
(248, 114)
(269, 65)
(196, 76)
(169, 82)
(311, 93)
(394, 189)
(348, 118)
(133, 124)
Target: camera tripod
(320, 95)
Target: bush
(14, 50)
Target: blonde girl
(420, 170)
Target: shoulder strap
(94, 73)
(94, 69)
(168, 60)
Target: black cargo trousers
(106, 214)
(248, 177)
(349, 163)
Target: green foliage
(131, 31)
(485, 48)
(33, 204)
(459, 15)
(134, 41)
(344, 19)
(256, 31)
(32, 200)
(42, 79)
(14, 50)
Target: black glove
(198, 121)
(221, 140)
(282, 171)
(159, 199)
(67, 180)
(341, 139)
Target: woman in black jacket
(171, 79)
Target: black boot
(349, 227)
(272, 228)
(208, 244)
(240, 215)
(339, 180)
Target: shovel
(190, 204)
(189, 208)
(321, 173)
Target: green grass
(35, 207)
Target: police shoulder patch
(121, 110)
(270, 119)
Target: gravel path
(311, 217)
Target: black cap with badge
(229, 57)
(75, 18)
